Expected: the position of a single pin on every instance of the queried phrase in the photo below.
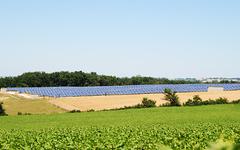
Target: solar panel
(119, 90)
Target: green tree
(79, 78)
(172, 97)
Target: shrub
(147, 103)
(172, 97)
(235, 102)
(208, 102)
(91, 110)
(221, 100)
(165, 105)
(195, 101)
(2, 111)
(135, 106)
(74, 111)
(198, 101)
(20, 113)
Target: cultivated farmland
(176, 128)
(14, 103)
(118, 101)
(111, 97)
(157, 128)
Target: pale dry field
(14, 104)
(119, 101)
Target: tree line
(79, 78)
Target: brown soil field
(119, 101)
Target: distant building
(210, 80)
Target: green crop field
(190, 128)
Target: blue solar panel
(119, 90)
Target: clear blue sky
(161, 38)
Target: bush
(91, 110)
(172, 97)
(2, 111)
(209, 102)
(20, 113)
(195, 101)
(74, 111)
(235, 102)
(221, 100)
(147, 103)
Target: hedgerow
(196, 101)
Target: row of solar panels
(119, 90)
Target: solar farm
(173, 128)
(72, 122)
(119, 90)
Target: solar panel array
(119, 90)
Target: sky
(159, 38)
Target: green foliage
(2, 111)
(91, 110)
(20, 113)
(196, 101)
(148, 103)
(172, 97)
(177, 128)
(190, 137)
(79, 78)
(74, 111)
(235, 102)
(221, 100)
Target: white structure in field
(215, 89)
